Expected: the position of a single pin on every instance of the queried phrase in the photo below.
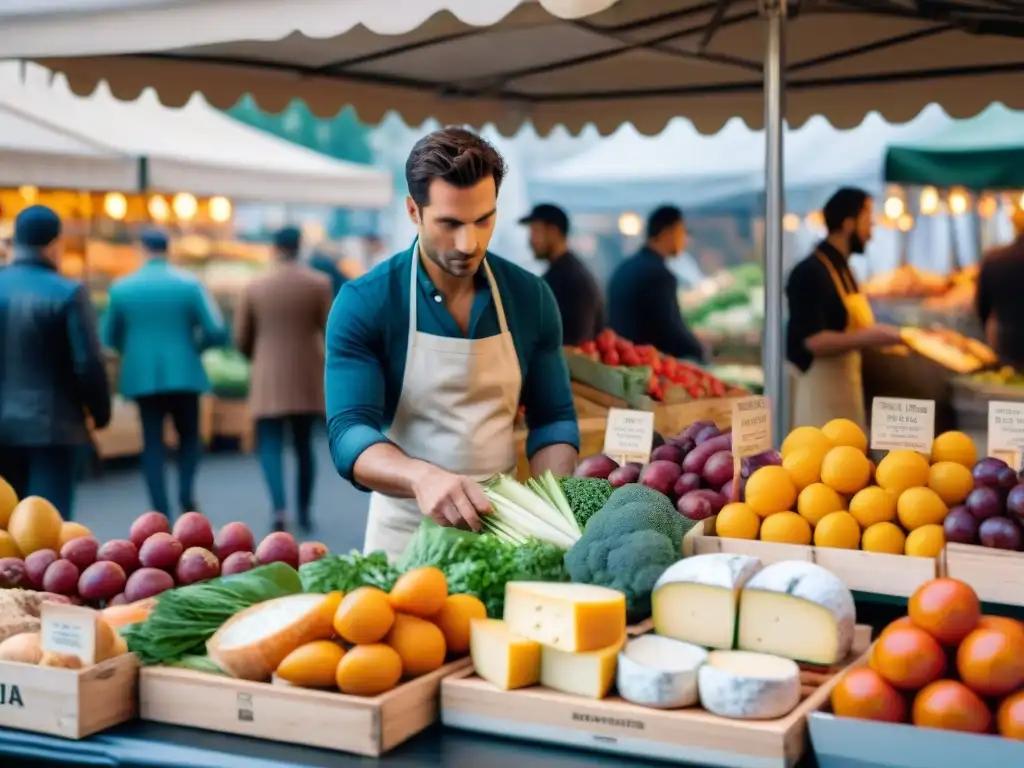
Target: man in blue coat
(160, 319)
(52, 375)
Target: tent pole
(772, 350)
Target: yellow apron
(832, 387)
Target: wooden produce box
(871, 572)
(669, 418)
(997, 575)
(691, 736)
(70, 703)
(362, 726)
(592, 431)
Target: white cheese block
(589, 674)
(659, 672)
(798, 610)
(749, 686)
(696, 600)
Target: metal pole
(773, 350)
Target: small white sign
(1006, 431)
(628, 435)
(751, 426)
(898, 423)
(69, 630)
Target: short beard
(442, 261)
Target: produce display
(1005, 376)
(944, 666)
(905, 282)
(953, 351)
(228, 371)
(992, 515)
(726, 303)
(962, 293)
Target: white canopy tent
(195, 149)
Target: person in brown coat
(279, 326)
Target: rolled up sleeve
(547, 395)
(353, 381)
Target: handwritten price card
(1006, 432)
(897, 423)
(628, 435)
(751, 426)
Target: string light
(115, 205)
(159, 209)
(185, 206)
(957, 202)
(905, 222)
(220, 209)
(630, 224)
(894, 207)
(791, 222)
(929, 201)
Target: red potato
(12, 573)
(81, 551)
(122, 552)
(61, 578)
(231, 538)
(196, 564)
(101, 581)
(661, 476)
(691, 432)
(687, 482)
(624, 475)
(278, 547)
(161, 550)
(695, 459)
(193, 530)
(694, 507)
(311, 551)
(667, 452)
(147, 582)
(36, 565)
(238, 562)
(146, 525)
(596, 466)
(708, 433)
(118, 599)
(714, 499)
(731, 493)
(719, 469)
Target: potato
(197, 564)
(12, 573)
(61, 577)
(146, 525)
(81, 551)
(278, 547)
(101, 581)
(147, 582)
(118, 599)
(36, 565)
(161, 550)
(238, 562)
(25, 648)
(122, 552)
(311, 551)
(60, 661)
(233, 537)
(193, 530)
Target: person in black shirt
(643, 302)
(998, 303)
(830, 321)
(576, 290)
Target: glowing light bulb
(185, 206)
(115, 205)
(929, 201)
(957, 202)
(894, 207)
(159, 209)
(791, 222)
(905, 222)
(220, 209)
(630, 224)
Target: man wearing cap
(279, 325)
(53, 378)
(159, 320)
(576, 290)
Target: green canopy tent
(985, 152)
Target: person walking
(52, 374)
(159, 320)
(279, 326)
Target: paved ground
(230, 487)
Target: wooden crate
(231, 418)
(691, 736)
(123, 436)
(591, 441)
(586, 406)
(669, 418)
(995, 574)
(72, 704)
(363, 726)
(879, 574)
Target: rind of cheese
(502, 658)
(659, 672)
(749, 686)
(568, 617)
(697, 599)
(589, 674)
(798, 610)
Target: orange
(369, 670)
(955, 446)
(419, 643)
(951, 481)
(786, 528)
(951, 706)
(845, 470)
(902, 469)
(1003, 623)
(770, 490)
(364, 616)
(920, 506)
(454, 619)
(837, 529)
(903, 621)
(886, 538)
(1010, 717)
(311, 665)
(817, 500)
(991, 661)
(873, 505)
(420, 592)
(926, 541)
(846, 432)
(804, 466)
(908, 657)
(803, 437)
(947, 609)
(863, 693)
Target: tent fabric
(554, 61)
(195, 149)
(983, 153)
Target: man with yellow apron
(830, 321)
(431, 354)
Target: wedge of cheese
(566, 617)
(659, 672)
(748, 686)
(697, 599)
(798, 610)
(502, 658)
(589, 674)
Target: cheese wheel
(797, 610)
(696, 600)
(748, 686)
(659, 672)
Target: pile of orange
(944, 665)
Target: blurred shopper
(576, 290)
(324, 264)
(643, 300)
(280, 326)
(160, 319)
(52, 373)
(999, 303)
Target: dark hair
(663, 218)
(846, 203)
(455, 155)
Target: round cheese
(659, 672)
(748, 686)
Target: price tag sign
(897, 423)
(1006, 432)
(69, 630)
(751, 426)
(629, 435)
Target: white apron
(832, 387)
(457, 410)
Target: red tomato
(718, 388)
(630, 357)
(611, 357)
(695, 391)
(587, 347)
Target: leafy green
(481, 564)
(197, 664)
(185, 618)
(586, 496)
(343, 573)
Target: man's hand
(881, 335)
(451, 500)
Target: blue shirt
(367, 340)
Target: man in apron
(830, 321)
(432, 352)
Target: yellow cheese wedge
(566, 617)
(502, 658)
(588, 674)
